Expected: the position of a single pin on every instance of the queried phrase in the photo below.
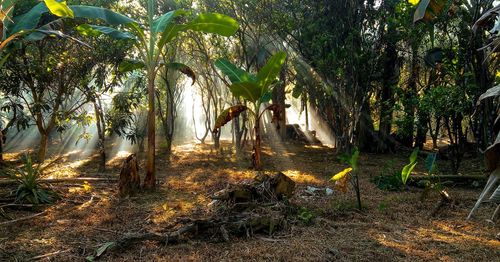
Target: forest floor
(393, 225)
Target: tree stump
(130, 181)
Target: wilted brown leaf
(228, 114)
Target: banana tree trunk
(257, 160)
(150, 179)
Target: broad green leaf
(430, 161)
(353, 161)
(40, 34)
(228, 115)
(96, 30)
(87, 30)
(234, 73)
(60, 9)
(414, 155)
(341, 174)
(183, 69)
(130, 65)
(171, 31)
(270, 71)
(161, 23)
(266, 97)
(251, 91)
(28, 20)
(214, 23)
(109, 16)
(406, 172)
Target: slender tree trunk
(306, 112)
(435, 133)
(100, 133)
(1, 146)
(42, 151)
(150, 179)
(216, 138)
(279, 99)
(257, 158)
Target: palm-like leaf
(234, 73)
(214, 23)
(270, 71)
(59, 8)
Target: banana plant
(150, 39)
(26, 25)
(256, 90)
(151, 43)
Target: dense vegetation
(382, 77)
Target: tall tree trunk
(150, 179)
(366, 130)
(409, 97)
(391, 78)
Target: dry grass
(394, 226)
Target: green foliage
(234, 73)
(29, 189)
(389, 178)
(350, 158)
(252, 88)
(30, 20)
(126, 116)
(406, 172)
(95, 30)
(349, 174)
(59, 8)
(305, 215)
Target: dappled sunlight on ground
(301, 177)
(392, 226)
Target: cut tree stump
(262, 188)
(130, 181)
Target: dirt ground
(393, 226)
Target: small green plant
(382, 206)
(431, 183)
(406, 172)
(389, 179)
(349, 174)
(305, 215)
(29, 188)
